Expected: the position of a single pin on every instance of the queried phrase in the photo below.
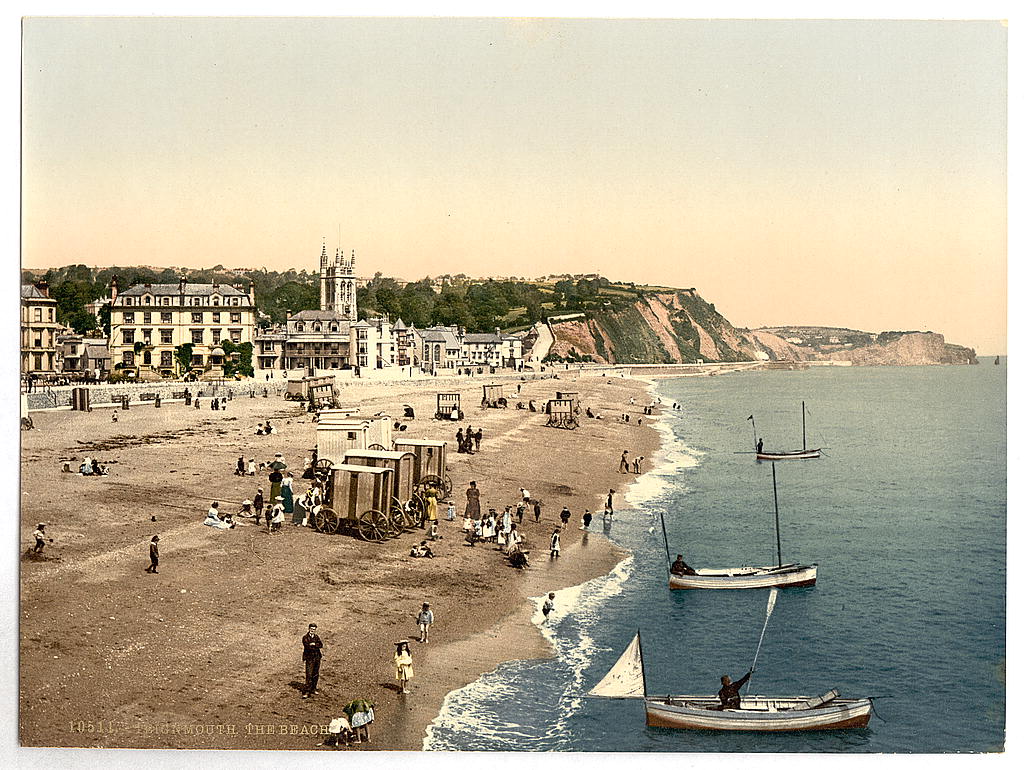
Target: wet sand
(208, 653)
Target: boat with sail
(756, 713)
(792, 575)
(796, 454)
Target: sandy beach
(207, 653)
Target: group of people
(626, 466)
(468, 442)
(216, 404)
(265, 429)
(89, 466)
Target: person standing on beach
(556, 544)
(473, 501)
(565, 515)
(403, 664)
(608, 503)
(252, 466)
(478, 437)
(624, 462)
(423, 620)
(41, 538)
(240, 466)
(312, 654)
(587, 517)
(257, 503)
(154, 554)
(536, 510)
(459, 441)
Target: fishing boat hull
(786, 576)
(798, 454)
(757, 713)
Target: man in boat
(729, 695)
(680, 567)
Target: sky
(840, 173)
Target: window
(148, 300)
(236, 335)
(129, 336)
(197, 359)
(167, 300)
(38, 358)
(38, 314)
(127, 301)
(334, 327)
(147, 336)
(197, 336)
(299, 326)
(166, 336)
(129, 318)
(216, 300)
(128, 358)
(216, 317)
(147, 318)
(197, 318)
(216, 335)
(38, 341)
(51, 314)
(165, 318)
(166, 359)
(236, 318)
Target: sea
(904, 513)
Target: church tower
(338, 284)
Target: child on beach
(403, 665)
(549, 605)
(556, 544)
(423, 620)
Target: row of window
(166, 359)
(37, 314)
(147, 299)
(166, 318)
(167, 336)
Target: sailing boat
(778, 576)
(796, 454)
(756, 713)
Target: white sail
(626, 677)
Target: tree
(244, 364)
(183, 355)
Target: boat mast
(643, 671)
(668, 555)
(803, 422)
(753, 425)
(778, 539)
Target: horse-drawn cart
(494, 397)
(357, 499)
(448, 407)
(561, 414)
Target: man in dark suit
(311, 655)
(729, 695)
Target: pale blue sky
(808, 172)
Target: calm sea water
(905, 515)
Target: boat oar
(771, 606)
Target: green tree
(183, 355)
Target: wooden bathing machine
(337, 436)
(431, 462)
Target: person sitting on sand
(339, 732)
(422, 551)
(86, 467)
(213, 517)
(259, 429)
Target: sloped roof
(191, 290)
(483, 338)
(28, 291)
(318, 315)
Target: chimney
(44, 288)
(252, 293)
(181, 285)
(113, 288)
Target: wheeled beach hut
(561, 414)
(448, 407)
(494, 397)
(406, 506)
(430, 467)
(356, 500)
(334, 437)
